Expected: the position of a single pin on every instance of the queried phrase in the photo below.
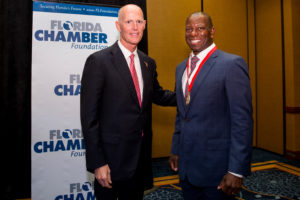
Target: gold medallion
(187, 99)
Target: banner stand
(63, 36)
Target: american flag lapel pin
(146, 64)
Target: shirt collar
(125, 51)
(204, 52)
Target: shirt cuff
(238, 175)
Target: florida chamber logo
(68, 140)
(71, 89)
(81, 35)
(79, 191)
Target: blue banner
(74, 9)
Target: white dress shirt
(137, 65)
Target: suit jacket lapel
(204, 71)
(120, 63)
(146, 79)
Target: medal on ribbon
(187, 99)
(190, 85)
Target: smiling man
(212, 142)
(118, 87)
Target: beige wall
(296, 31)
(269, 75)
(292, 74)
(166, 44)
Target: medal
(187, 99)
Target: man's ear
(145, 21)
(117, 25)
(212, 32)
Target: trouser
(132, 189)
(191, 192)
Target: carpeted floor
(273, 177)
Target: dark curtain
(15, 85)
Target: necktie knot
(194, 60)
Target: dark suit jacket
(112, 120)
(213, 134)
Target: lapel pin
(146, 64)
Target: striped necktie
(194, 60)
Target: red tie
(135, 78)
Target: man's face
(198, 34)
(131, 25)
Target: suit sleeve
(160, 96)
(239, 98)
(176, 137)
(91, 88)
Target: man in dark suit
(119, 85)
(212, 142)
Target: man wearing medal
(212, 142)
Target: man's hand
(102, 174)
(230, 184)
(173, 162)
